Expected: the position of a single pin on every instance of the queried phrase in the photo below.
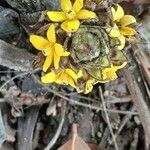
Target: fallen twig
(107, 118)
(115, 100)
(73, 102)
(17, 76)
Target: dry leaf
(75, 143)
(95, 147)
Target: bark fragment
(15, 58)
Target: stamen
(70, 14)
(45, 52)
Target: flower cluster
(120, 25)
(61, 66)
(70, 15)
(52, 50)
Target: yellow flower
(64, 77)
(120, 27)
(110, 73)
(52, 50)
(89, 85)
(70, 15)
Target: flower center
(70, 14)
(46, 52)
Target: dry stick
(67, 99)
(107, 118)
(119, 100)
(82, 104)
(81, 97)
(17, 76)
(54, 139)
(9, 71)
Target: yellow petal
(59, 49)
(122, 42)
(104, 74)
(56, 61)
(120, 66)
(113, 76)
(119, 13)
(62, 78)
(58, 79)
(77, 6)
(51, 34)
(71, 82)
(127, 31)
(70, 25)
(56, 16)
(109, 73)
(39, 42)
(89, 86)
(66, 5)
(85, 14)
(66, 53)
(79, 74)
(48, 62)
(49, 78)
(71, 73)
(113, 11)
(114, 32)
(127, 19)
(102, 81)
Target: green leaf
(104, 62)
(95, 73)
(120, 56)
(114, 42)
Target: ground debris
(15, 58)
(36, 116)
